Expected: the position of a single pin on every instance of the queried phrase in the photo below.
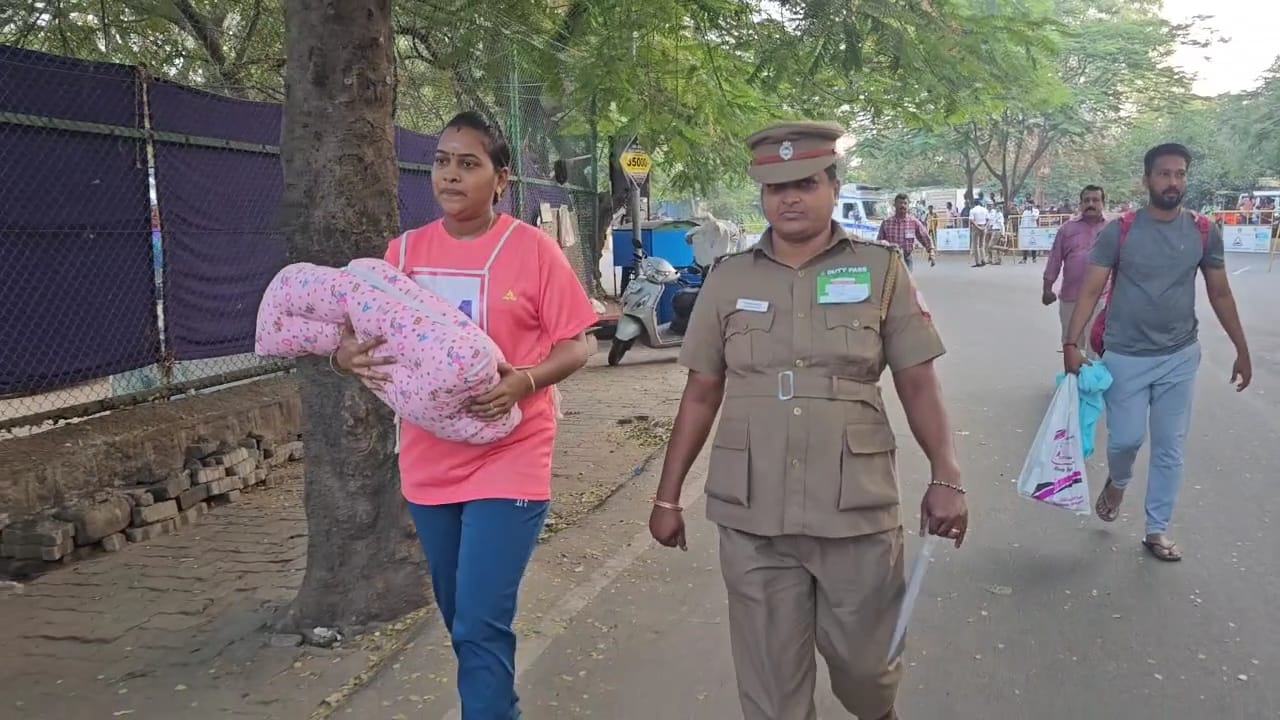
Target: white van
(1259, 196)
(861, 208)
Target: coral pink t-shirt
(516, 282)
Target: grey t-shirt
(1153, 309)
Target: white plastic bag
(1054, 472)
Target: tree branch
(249, 33)
(1042, 146)
(204, 33)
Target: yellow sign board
(636, 164)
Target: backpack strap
(1205, 225)
(1126, 224)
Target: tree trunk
(340, 202)
(970, 176)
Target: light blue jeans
(1154, 391)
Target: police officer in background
(793, 336)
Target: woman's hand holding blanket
(357, 358)
(511, 389)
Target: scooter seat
(682, 308)
(683, 301)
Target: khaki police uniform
(978, 236)
(802, 480)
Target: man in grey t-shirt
(1151, 343)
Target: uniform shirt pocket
(868, 472)
(729, 471)
(746, 339)
(851, 335)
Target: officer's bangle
(667, 506)
(939, 483)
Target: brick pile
(215, 474)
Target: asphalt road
(1042, 615)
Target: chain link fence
(139, 219)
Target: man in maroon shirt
(1070, 256)
(905, 230)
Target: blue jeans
(1155, 391)
(910, 263)
(477, 553)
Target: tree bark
(340, 202)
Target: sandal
(1165, 552)
(1106, 511)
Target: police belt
(790, 384)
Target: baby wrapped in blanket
(443, 359)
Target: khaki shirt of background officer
(802, 478)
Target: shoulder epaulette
(891, 247)
(729, 256)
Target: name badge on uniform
(910, 234)
(844, 285)
(753, 305)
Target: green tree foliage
(1111, 64)
(1084, 110)
(235, 47)
(692, 79)
(910, 158)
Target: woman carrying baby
(479, 509)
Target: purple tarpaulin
(77, 290)
(33, 83)
(536, 194)
(76, 279)
(219, 210)
(221, 246)
(180, 109)
(417, 205)
(77, 297)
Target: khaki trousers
(1064, 316)
(978, 244)
(993, 237)
(790, 594)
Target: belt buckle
(786, 379)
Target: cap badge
(786, 152)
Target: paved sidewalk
(178, 627)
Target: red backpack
(1126, 224)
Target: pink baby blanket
(443, 359)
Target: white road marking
(1246, 267)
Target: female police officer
(793, 336)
